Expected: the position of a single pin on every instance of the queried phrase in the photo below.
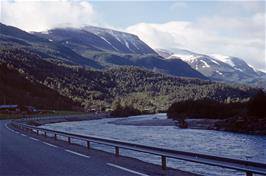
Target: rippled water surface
(227, 144)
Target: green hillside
(98, 89)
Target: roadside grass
(46, 113)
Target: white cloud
(42, 15)
(236, 36)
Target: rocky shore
(235, 124)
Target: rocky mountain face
(219, 67)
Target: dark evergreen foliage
(204, 108)
(125, 111)
(15, 89)
(257, 105)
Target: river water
(227, 144)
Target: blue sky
(234, 28)
(123, 14)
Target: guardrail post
(88, 145)
(116, 151)
(55, 136)
(163, 158)
(249, 173)
(69, 140)
(37, 132)
(45, 134)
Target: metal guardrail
(249, 167)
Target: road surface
(31, 155)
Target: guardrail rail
(249, 167)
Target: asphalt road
(31, 155)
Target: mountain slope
(121, 41)
(148, 61)
(113, 48)
(98, 39)
(16, 89)
(219, 67)
(93, 47)
(14, 37)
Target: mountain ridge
(80, 47)
(99, 39)
(219, 67)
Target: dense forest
(249, 116)
(99, 89)
(15, 89)
(207, 108)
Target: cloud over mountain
(236, 36)
(43, 15)
(230, 28)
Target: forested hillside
(98, 89)
(16, 89)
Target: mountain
(219, 67)
(164, 53)
(148, 61)
(114, 48)
(14, 37)
(98, 39)
(93, 47)
(121, 41)
(95, 89)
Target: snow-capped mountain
(237, 64)
(219, 67)
(98, 39)
(121, 41)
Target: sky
(234, 28)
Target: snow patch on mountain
(220, 73)
(223, 58)
(186, 57)
(122, 41)
(214, 61)
(219, 67)
(109, 43)
(205, 64)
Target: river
(227, 144)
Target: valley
(84, 68)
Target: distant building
(17, 109)
(9, 108)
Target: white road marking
(34, 139)
(22, 134)
(9, 128)
(49, 144)
(79, 154)
(126, 169)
